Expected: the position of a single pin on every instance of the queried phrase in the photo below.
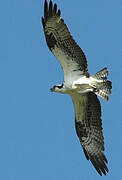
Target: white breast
(85, 80)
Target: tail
(102, 87)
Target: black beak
(52, 89)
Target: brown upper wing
(89, 129)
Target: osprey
(78, 83)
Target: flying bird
(78, 83)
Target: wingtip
(45, 2)
(50, 10)
(99, 164)
(59, 13)
(55, 9)
(45, 9)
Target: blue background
(37, 132)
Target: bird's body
(78, 83)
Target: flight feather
(88, 125)
(62, 44)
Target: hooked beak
(52, 89)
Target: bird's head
(57, 88)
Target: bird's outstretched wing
(62, 44)
(89, 129)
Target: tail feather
(102, 94)
(101, 75)
(105, 87)
(102, 88)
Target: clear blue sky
(37, 132)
